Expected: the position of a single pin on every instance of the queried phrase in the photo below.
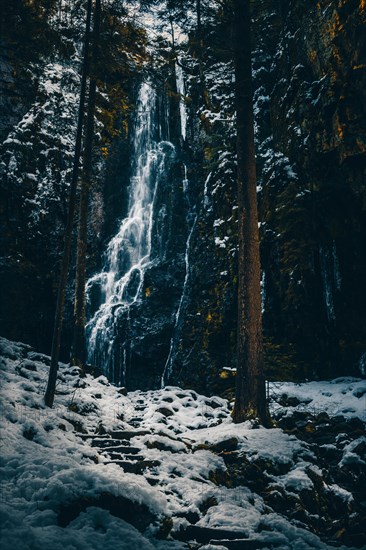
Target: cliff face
(309, 80)
(37, 118)
(313, 199)
(309, 72)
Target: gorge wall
(309, 72)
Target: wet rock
(330, 453)
(224, 446)
(29, 365)
(245, 473)
(192, 517)
(165, 411)
(83, 408)
(360, 449)
(164, 529)
(78, 426)
(164, 446)
(30, 433)
(206, 504)
(213, 404)
(291, 401)
(359, 392)
(138, 467)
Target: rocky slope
(168, 469)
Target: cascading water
(128, 253)
(182, 106)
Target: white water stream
(128, 253)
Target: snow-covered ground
(52, 470)
(342, 396)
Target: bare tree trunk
(60, 305)
(79, 343)
(250, 398)
(200, 47)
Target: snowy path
(162, 469)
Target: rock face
(313, 198)
(309, 71)
(30, 152)
(309, 102)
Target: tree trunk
(79, 343)
(199, 51)
(250, 397)
(60, 305)
(199, 47)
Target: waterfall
(182, 106)
(128, 253)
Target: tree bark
(250, 397)
(60, 304)
(200, 47)
(79, 343)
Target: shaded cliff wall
(309, 103)
(312, 157)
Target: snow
(297, 479)
(46, 129)
(46, 465)
(339, 491)
(94, 528)
(350, 457)
(335, 397)
(221, 243)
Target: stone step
(122, 449)
(153, 480)
(124, 434)
(109, 442)
(140, 407)
(125, 456)
(205, 535)
(135, 467)
(134, 424)
(242, 544)
(92, 436)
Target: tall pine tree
(250, 396)
(60, 305)
(79, 345)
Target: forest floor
(168, 469)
